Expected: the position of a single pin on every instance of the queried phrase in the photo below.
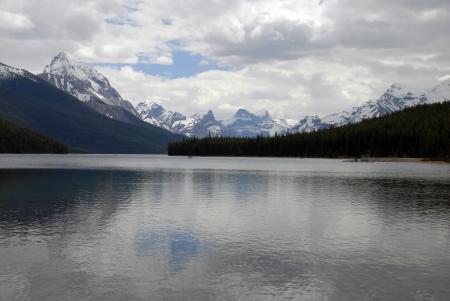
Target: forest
(15, 139)
(418, 132)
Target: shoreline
(408, 160)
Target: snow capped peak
(62, 57)
(398, 91)
(156, 114)
(64, 65)
(63, 61)
(88, 85)
(204, 115)
(209, 115)
(243, 113)
(395, 98)
(83, 82)
(202, 124)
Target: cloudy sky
(292, 57)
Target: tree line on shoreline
(15, 139)
(422, 131)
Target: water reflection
(187, 234)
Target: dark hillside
(31, 102)
(14, 139)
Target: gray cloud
(293, 57)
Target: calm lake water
(82, 227)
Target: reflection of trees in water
(40, 197)
(232, 232)
(393, 197)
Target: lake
(113, 227)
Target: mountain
(32, 102)
(421, 131)
(395, 98)
(155, 114)
(18, 140)
(244, 123)
(247, 124)
(89, 86)
(198, 125)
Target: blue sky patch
(121, 21)
(185, 64)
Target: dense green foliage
(422, 131)
(14, 139)
(33, 103)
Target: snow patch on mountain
(244, 123)
(395, 98)
(155, 114)
(8, 73)
(83, 82)
(198, 125)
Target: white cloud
(292, 57)
(285, 91)
(14, 22)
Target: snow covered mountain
(247, 124)
(89, 86)
(10, 73)
(394, 99)
(198, 125)
(94, 89)
(242, 124)
(31, 102)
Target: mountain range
(94, 90)
(245, 123)
(31, 102)
(395, 98)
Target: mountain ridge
(243, 123)
(32, 102)
(395, 98)
(88, 85)
(247, 124)
(94, 89)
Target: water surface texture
(82, 227)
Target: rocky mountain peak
(87, 85)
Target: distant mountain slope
(32, 102)
(89, 86)
(420, 131)
(243, 123)
(395, 98)
(14, 139)
(247, 124)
